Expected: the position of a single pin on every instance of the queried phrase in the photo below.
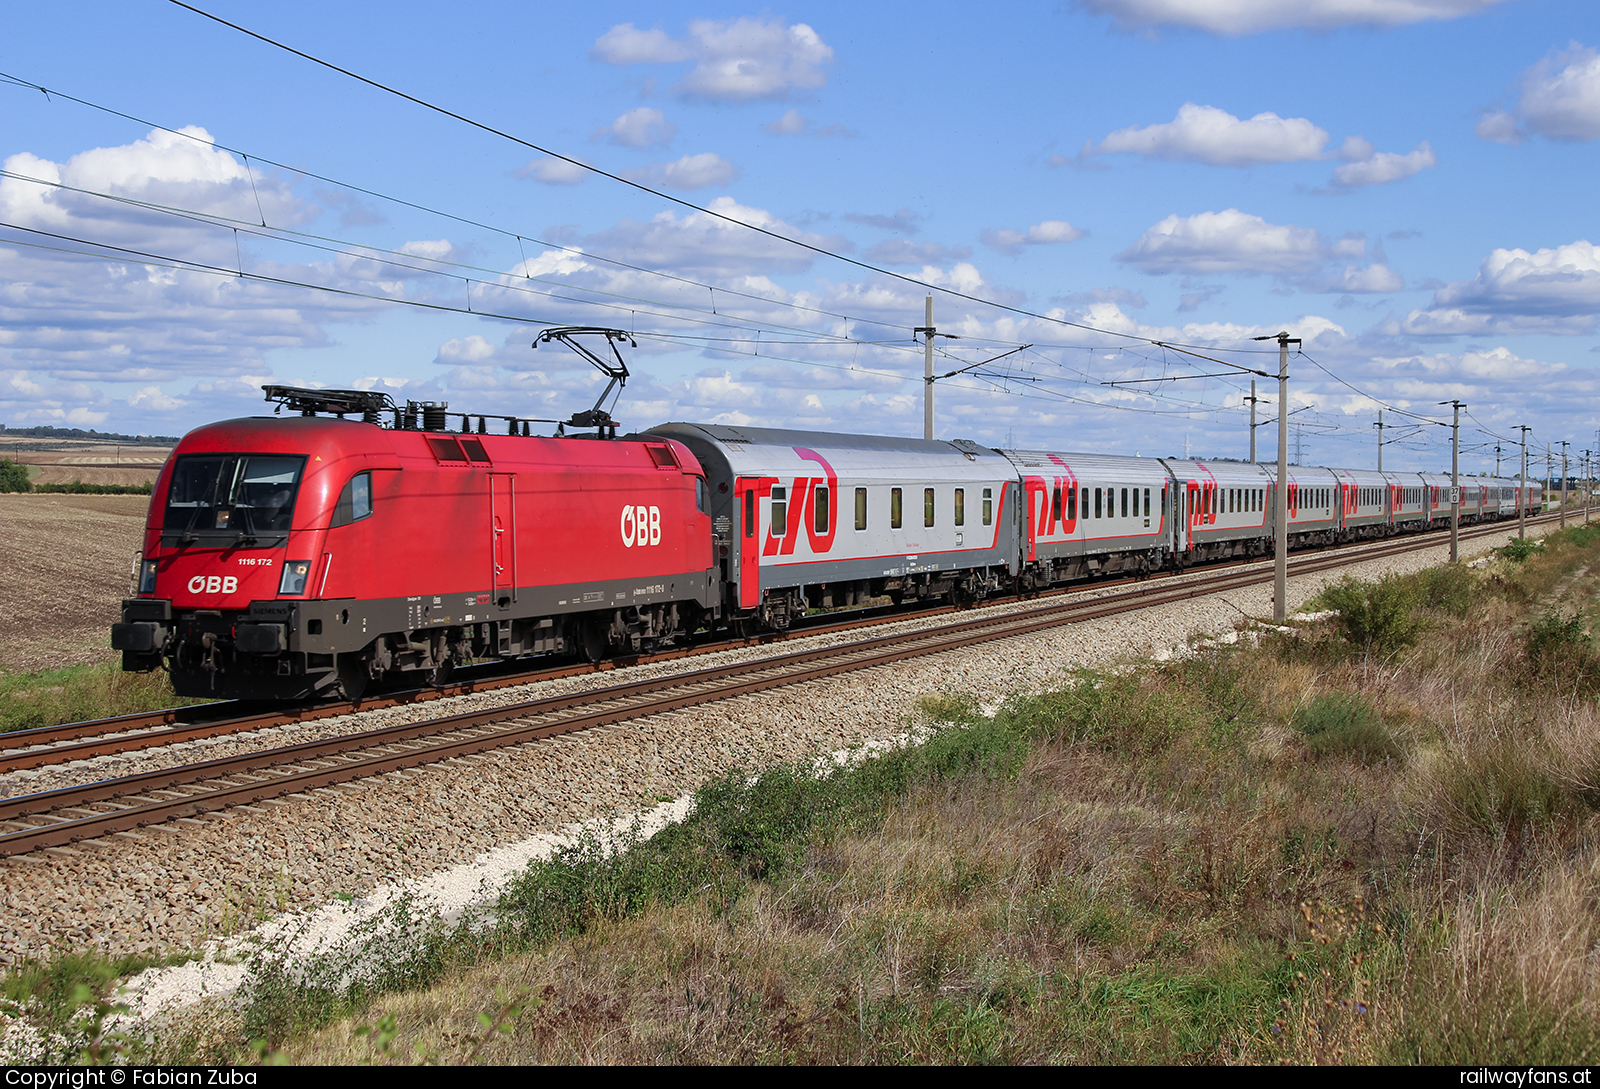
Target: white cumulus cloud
(1206, 134)
(790, 124)
(1554, 290)
(1238, 17)
(1559, 98)
(1227, 241)
(735, 60)
(1384, 167)
(553, 171)
(1010, 241)
(703, 171)
(642, 126)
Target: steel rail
(498, 727)
(23, 749)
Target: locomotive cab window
(355, 502)
(238, 496)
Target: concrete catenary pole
(1280, 566)
(927, 372)
(1379, 426)
(1522, 486)
(1564, 445)
(1455, 484)
(1252, 421)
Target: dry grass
(1176, 872)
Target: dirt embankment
(68, 559)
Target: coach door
(503, 537)
(748, 492)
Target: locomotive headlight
(294, 577)
(147, 577)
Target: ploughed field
(65, 575)
(58, 462)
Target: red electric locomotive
(298, 557)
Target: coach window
(1055, 506)
(1147, 502)
(1085, 505)
(1097, 502)
(1072, 500)
(927, 506)
(355, 502)
(894, 508)
(1124, 502)
(861, 508)
(819, 506)
(749, 513)
(780, 512)
(988, 505)
(961, 507)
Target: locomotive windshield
(243, 497)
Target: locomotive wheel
(593, 640)
(353, 675)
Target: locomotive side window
(988, 506)
(355, 502)
(961, 507)
(702, 495)
(780, 512)
(475, 450)
(861, 508)
(894, 508)
(819, 506)
(235, 494)
(927, 506)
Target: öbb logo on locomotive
(346, 531)
(641, 526)
(214, 584)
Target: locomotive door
(503, 537)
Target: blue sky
(1404, 184)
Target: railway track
(93, 811)
(85, 740)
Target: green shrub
(1378, 617)
(1519, 549)
(1341, 724)
(1450, 588)
(14, 477)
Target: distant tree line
(14, 478)
(80, 433)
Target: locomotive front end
(227, 562)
